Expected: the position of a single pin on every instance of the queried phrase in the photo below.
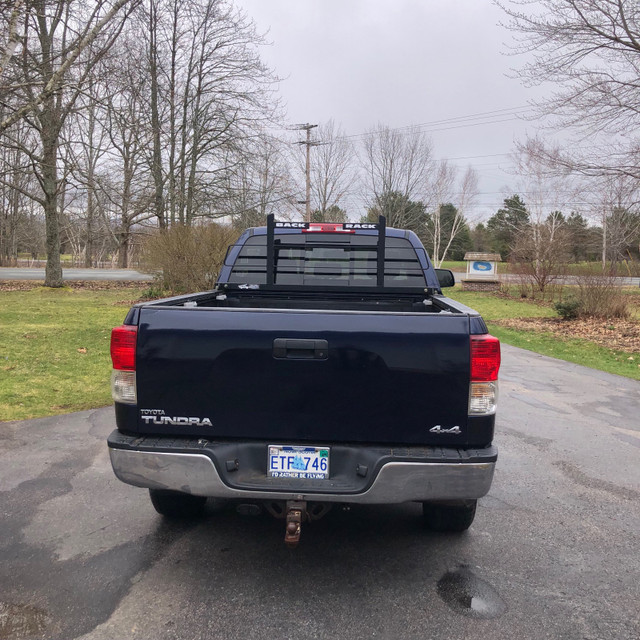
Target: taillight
(123, 347)
(123, 356)
(485, 358)
(485, 364)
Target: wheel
(449, 516)
(177, 505)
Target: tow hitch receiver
(296, 515)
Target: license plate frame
(298, 462)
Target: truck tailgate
(314, 376)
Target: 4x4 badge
(439, 429)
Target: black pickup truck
(325, 367)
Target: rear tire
(177, 505)
(449, 516)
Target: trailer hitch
(296, 514)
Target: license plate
(308, 463)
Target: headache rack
(347, 227)
(347, 257)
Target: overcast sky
(402, 62)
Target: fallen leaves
(623, 336)
(87, 285)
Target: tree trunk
(9, 228)
(91, 162)
(49, 137)
(191, 187)
(156, 164)
(123, 249)
(172, 113)
(88, 250)
(604, 241)
(125, 220)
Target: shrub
(595, 296)
(155, 291)
(568, 309)
(185, 259)
(600, 297)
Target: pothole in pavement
(469, 595)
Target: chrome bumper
(396, 482)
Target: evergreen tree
(332, 214)
(505, 225)
(461, 244)
(585, 242)
(400, 211)
(480, 238)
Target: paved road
(11, 273)
(23, 273)
(553, 552)
(623, 281)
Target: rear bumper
(411, 474)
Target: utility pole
(307, 127)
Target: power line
(562, 205)
(488, 155)
(485, 117)
(472, 116)
(495, 116)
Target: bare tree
(210, 95)
(444, 187)
(86, 141)
(44, 82)
(617, 209)
(331, 170)
(540, 253)
(125, 184)
(259, 184)
(541, 248)
(590, 51)
(110, 144)
(396, 164)
(16, 186)
(439, 189)
(53, 22)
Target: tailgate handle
(296, 349)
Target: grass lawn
(455, 265)
(494, 308)
(575, 269)
(54, 349)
